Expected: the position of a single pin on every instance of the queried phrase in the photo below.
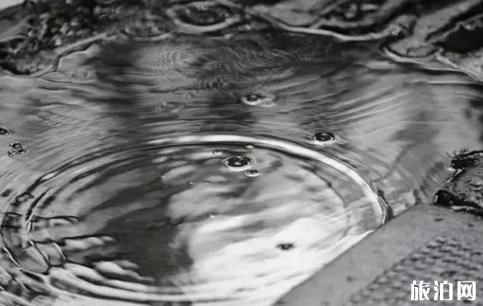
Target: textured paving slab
(426, 243)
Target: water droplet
(252, 173)
(285, 246)
(238, 162)
(258, 99)
(323, 138)
(3, 131)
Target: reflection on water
(213, 170)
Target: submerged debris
(36, 34)
(33, 35)
(464, 191)
(16, 148)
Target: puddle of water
(172, 221)
(214, 170)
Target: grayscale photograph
(241, 152)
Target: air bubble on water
(258, 99)
(323, 138)
(238, 162)
(3, 131)
(252, 173)
(285, 246)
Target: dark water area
(224, 153)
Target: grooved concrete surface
(426, 243)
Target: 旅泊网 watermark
(443, 291)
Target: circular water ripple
(202, 231)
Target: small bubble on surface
(323, 138)
(238, 162)
(285, 246)
(252, 173)
(3, 131)
(258, 99)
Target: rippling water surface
(214, 169)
